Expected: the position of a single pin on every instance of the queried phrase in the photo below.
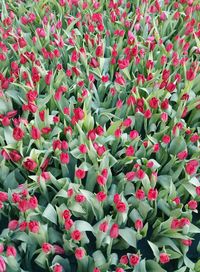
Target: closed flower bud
(30, 164)
(138, 224)
(58, 268)
(76, 235)
(46, 248)
(64, 158)
(79, 253)
(164, 258)
(152, 194)
(192, 204)
(11, 251)
(134, 259)
(13, 224)
(80, 173)
(35, 133)
(18, 134)
(114, 231)
(139, 194)
(34, 226)
(103, 226)
(121, 207)
(2, 264)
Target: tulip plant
(99, 135)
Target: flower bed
(99, 134)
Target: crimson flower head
(152, 194)
(104, 226)
(2, 264)
(79, 253)
(191, 167)
(121, 207)
(46, 248)
(114, 231)
(58, 268)
(34, 226)
(35, 133)
(76, 235)
(138, 224)
(80, 173)
(134, 259)
(18, 134)
(164, 258)
(30, 164)
(64, 158)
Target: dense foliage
(99, 135)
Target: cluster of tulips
(99, 135)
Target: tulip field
(99, 136)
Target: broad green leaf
(129, 235)
(50, 214)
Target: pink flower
(64, 158)
(121, 207)
(130, 151)
(34, 226)
(140, 194)
(114, 231)
(153, 103)
(101, 196)
(76, 235)
(99, 51)
(101, 180)
(80, 173)
(103, 226)
(124, 259)
(182, 155)
(192, 204)
(11, 251)
(134, 259)
(57, 268)
(138, 224)
(152, 194)
(191, 167)
(30, 164)
(68, 224)
(46, 248)
(2, 264)
(166, 139)
(18, 134)
(15, 156)
(13, 224)
(190, 74)
(79, 253)
(164, 258)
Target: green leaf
(12, 263)
(10, 181)
(152, 266)
(41, 260)
(197, 266)
(177, 145)
(8, 134)
(99, 258)
(129, 235)
(83, 226)
(63, 261)
(50, 214)
(155, 250)
(113, 127)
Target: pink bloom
(134, 259)
(164, 258)
(114, 231)
(79, 253)
(2, 264)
